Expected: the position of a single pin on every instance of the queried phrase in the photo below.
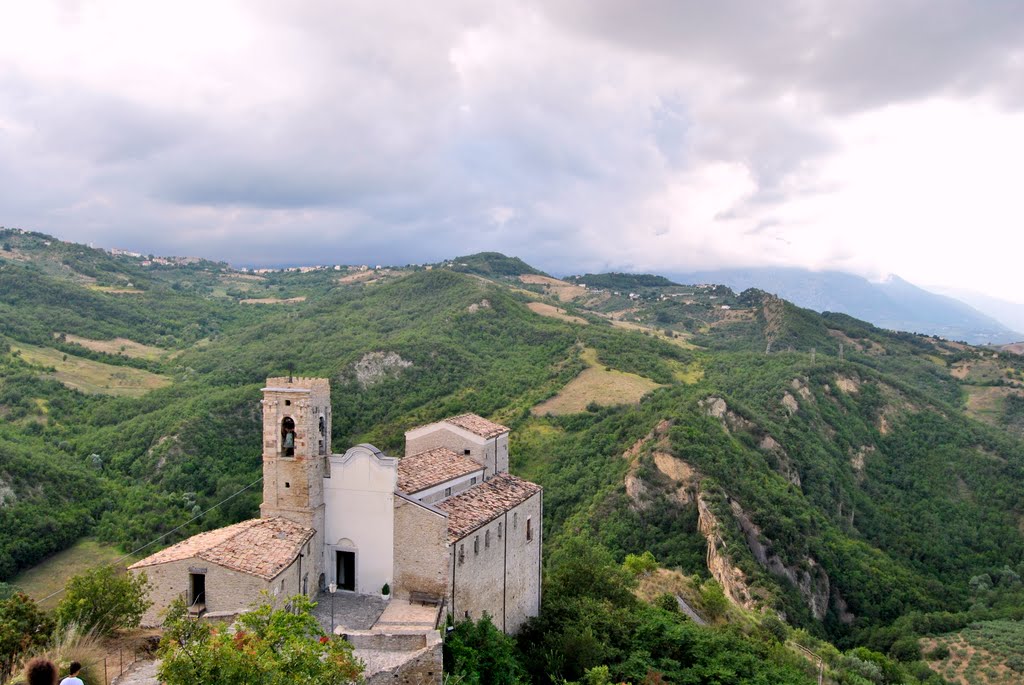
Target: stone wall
(421, 550)
(227, 591)
(496, 569)
(449, 488)
(486, 452)
(423, 667)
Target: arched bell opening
(288, 436)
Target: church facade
(447, 523)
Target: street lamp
(333, 587)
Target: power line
(170, 532)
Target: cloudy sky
(878, 136)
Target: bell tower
(296, 445)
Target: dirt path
(139, 673)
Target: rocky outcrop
(809, 578)
(656, 442)
(778, 458)
(376, 366)
(800, 386)
(685, 481)
(637, 492)
(732, 579)
(734, 423)
(859, 458)
(679, 472)
(849, 385)
(477, 306)
(7, 495)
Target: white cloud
(877, 137)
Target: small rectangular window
(487, 539)
(515, 519)
(476, 545)
(499, 531)
(529, 529)
(447, 492)
(466, 452)
(472, 481)
(462, 554)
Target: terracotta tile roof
(477, 425)
(472, 508)
(258, 547)
(421, 471)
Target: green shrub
(104, 599)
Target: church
(446, 524)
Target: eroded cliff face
(685, 482)
(806, 575)
(721, 567)
(809, 577)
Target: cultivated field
(50, 575)
(986, 653)
(605, 387)
(985, 403)
(114, 290)
(128, 348)
(554, 312)
(552, 286)
(90, 376)
(273, 300)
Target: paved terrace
(351, 611)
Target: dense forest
(854, 487)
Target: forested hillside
(854, 480)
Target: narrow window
(287, 403)
(529, 529)
(476, 545)
(288, 436)
(448, 492)
(499, 531)
(487, 539)
(515, 519)
(466, 452)
(462, 554)
(472, 481)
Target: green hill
(842, 475)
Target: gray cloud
(577, 134)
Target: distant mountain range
(894, 304)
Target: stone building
(446, 523)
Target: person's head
(74, 668)
(41, 671)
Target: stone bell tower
(296, 445)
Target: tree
(270, 645)
(713, 598)
(480, 654)
(640, 564)
(23, 626)
(104, 599)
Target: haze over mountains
(894, 303)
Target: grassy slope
(928, 513)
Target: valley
(850, 480)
